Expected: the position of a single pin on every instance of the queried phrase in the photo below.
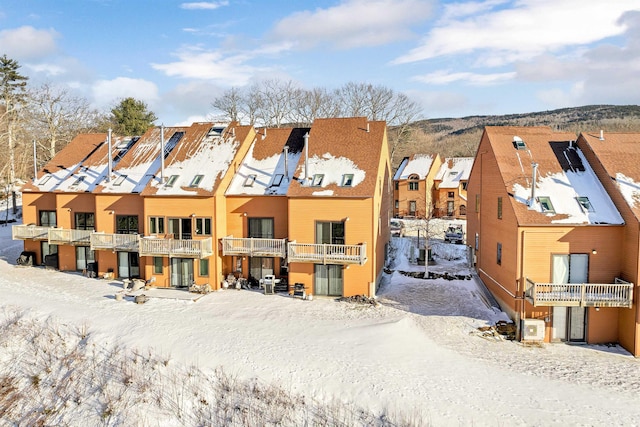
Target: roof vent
(518, 143)
(601, 135)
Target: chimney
(286, 162)
(533, 184)
(306, 155)
(162, 154)
(601, 135)
(367, 127)
(110, 169)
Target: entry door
(180, 228)
(328, 280)
(128, 264)
(569, 323)
(84, 255)
(181, 272)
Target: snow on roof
(328, 169)
(418, 164)
(209, 162)
(59, 180)
(454, 170)
(266, 176)
(629, 188)
(566, 190)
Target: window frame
(499, 253)
(203, 226)
(500, 207)
(203, 267)
(158, 268)
(347, 180)
(195, 182)
(317, 180)
(545, 204)
(250, 180)
(171, 180)
(158, 227)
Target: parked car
(397, 228)
(454, 234)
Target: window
(203, 226)
(85, 221)
(347, 179)
(119, 180)
(48, 218)
(463, 210)
(317, 180)
(499, 207)
(277, 180)
(464, 185)
(172, 180)
(585, 204)
(248, 182)
(204, 267)
(237, 262)
(397, 185)
(519, 143)
(261, 228)
(450, 195)
(545, 204)
(330, 232)
(499, 254)
(157, 265)
(451, 208)
(413, 184)
(196, 180)
(45, 179)
(156, 225)
(127, 224)
(477, 241)
(412, 207)
(397, 204)
(477, 203)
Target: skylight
(317, 180)
(171, 144)
(585, 204)
(519, 143)
(545, 204)
(196, 180)
(277, 180)
(347, 180)
(120, 180)
(250, 180)
(172, 180)
(45, 179)
(78, 181)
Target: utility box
(533, 330)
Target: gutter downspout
(110, 171)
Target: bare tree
(310, 104)
(231, 103)
(276, 101)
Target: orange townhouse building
(546, 237)
(450, 187)
(615, 158)
(191, 205)
(413, 191)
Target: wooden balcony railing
(327, 253)
(617, 294)
(252, 246)
(115, 242)
(69, 236)
(177, 248)
(29, 232)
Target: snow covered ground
(418, 352)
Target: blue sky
(454, 58)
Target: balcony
(69, 236)
(176, 248)
(617, 294)
(252, 246)
(29, 232)
(327, 253)
(114, 242)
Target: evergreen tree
(131, 117)
(12, 92)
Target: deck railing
(617, 294)
(115, 242)
(154, 246)
(70, 236)
(29, 232)
(252, 246)
(327, 253)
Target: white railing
(617, 294)
(252, 246)
(26, 232)
(153, 246)
(114, 242)
(69, 236)
(327, 253)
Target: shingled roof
(561, 183)
(416, 164)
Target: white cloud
(206, 5)
(445, 77)
(105, 92)
(354, 23)
(528, 28)
(26, 43)
(48, 69)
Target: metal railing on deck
(114, 242)
(323, 253)
(617, 294)
(252, 246)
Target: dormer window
(347, 180)
(172, 180)
(250, 180)
(196, 181)
(585, 204)
(277, 180)
(119, 180)
(545, 205)
(317, 180)
(518, 143)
